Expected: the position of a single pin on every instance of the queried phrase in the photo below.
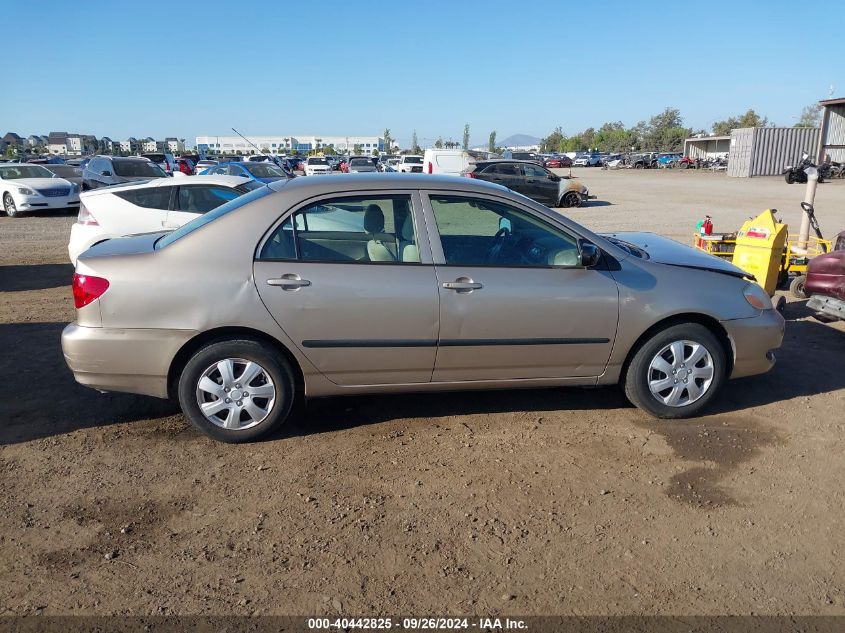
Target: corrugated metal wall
(836, 133)
(777, 147)
(739, 159)
(765, 151)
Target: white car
(202, 165)
(451, 162)
(317, 166)
(409, 164)
(25, 187)
(156, 205)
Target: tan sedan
(389, 283)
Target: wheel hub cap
(235, 393)
(680, 373)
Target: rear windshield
(265, 170)
(360, 161)
(317, 161)
(138, 169)
(156, 158)
(220, 211)
(417, 160)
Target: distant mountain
(518, 140)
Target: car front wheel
(236, 390)
(9, 205)
(570, 199)
(677, 372)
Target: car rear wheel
(9, 205)
(236, 390)
(570, 199)
(796, 287)
(677, 372)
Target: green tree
(356, 149)
(465, 144)
(810, 116)
(552, 142)
(415, 146)
(375, 151)
(491, 142)
(10, 151)
(749, 119)
(439, 142)
(665, 131)
(388, 142)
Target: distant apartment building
(130, 145)
(174, 145)
(287, 144)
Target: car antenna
(260, 151)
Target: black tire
(9, 205)
(796, 287)
(636, 378)
(570, 199)
(275, 366)
(683, 165)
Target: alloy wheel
(680, 373)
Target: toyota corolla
(336, 285)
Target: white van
(451, 162)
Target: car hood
(40, 183)
(663, 250)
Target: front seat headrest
(373, 219)
(408, 229)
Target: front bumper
(754, 342)
(130, 360)
(33, 203)
(830, 307)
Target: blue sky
(183, 68)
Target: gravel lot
(532, 502)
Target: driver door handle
(289, 281)
(462, 284)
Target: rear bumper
(830, 307)
(754, 342)
(111, 359)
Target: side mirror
(590, 254)
(554, 177)
(107, 173)
(505, 223)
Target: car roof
(226, 181)
(491, 161)
(344, 183)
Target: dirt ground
(531, 502)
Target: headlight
(757, 297)
(74, 188)
(25, 191)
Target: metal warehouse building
(832, 137)
(766, 151)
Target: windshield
(264, 170)
(220, 211)
(138, 169)
(317, 161)
(416, 160)
(360, 162)
(68, 171)
(24, 171)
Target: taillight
(429, 168)
(85, 216)
(87, 289)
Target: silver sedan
(390, 283)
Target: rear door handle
(462, 284)
(289, 281)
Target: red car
(558, 163)
(186, 166)
(825, 283)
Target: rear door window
(148, 197)
(203, 198)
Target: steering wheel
(498, 244)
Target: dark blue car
(262, 172)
